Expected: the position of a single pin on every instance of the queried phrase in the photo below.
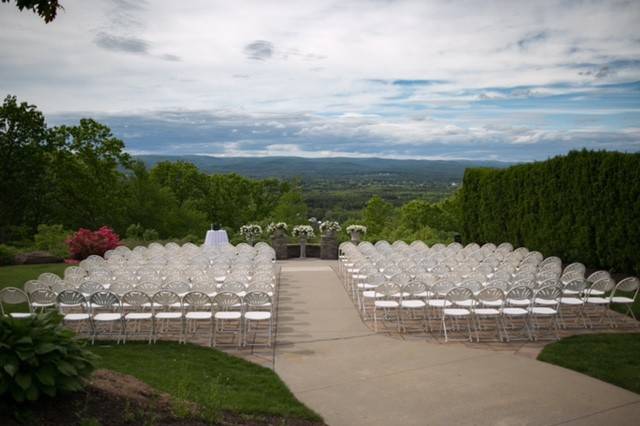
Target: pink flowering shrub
(86, 242)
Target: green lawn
(15, 276)
(612, 358)
(635, 308)
(212, 379)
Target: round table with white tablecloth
(216, 238)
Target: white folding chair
(572, 302)
(625, 293)
(389, 301)
(227, 308)
(461, 302)
(74, 308)
(14, 296)
(198, 310)
(42, 299)
(167, 311)
(516, 309)
(257, 315)
(597, 302)
(488, 306)
(106, 309)
(546, 304)
(413, 306)
(138, 311)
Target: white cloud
(259, 57)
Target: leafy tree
(146, 202)
(291, 208)
(184, 179)
(377, 215)
(267, 194)
(52, 239)
(88, 186)
(24, 157)
(46, 9)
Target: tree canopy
(46, 9)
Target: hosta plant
(40, 357)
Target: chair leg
(506, 334)
(476, 326)
(375, 319)
(444, 328)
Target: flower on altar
(305, 231)
(357, 228)
(280, 226)
(330, 226)
(251, 231)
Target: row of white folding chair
(120, 287)
(592, 295)
(462, 303)
(135, 306)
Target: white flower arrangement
(330, 226)
(251, 231)
(280, 226)
(357, 228)
(305, 231)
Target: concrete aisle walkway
(338, 367)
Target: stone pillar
(303, 248)
(279, 244)
(329, 246)
(356, 237)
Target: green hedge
(584, 206)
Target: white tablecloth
(216, 238)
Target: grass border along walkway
(612, 358)
(217, 382)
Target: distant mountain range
(339, 168)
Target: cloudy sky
(507, 80)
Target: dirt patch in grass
(114, 399)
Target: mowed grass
(17, 275)
(623, 309)
(215, 381)
(612, 358)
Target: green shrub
(52, 239)
(150, 235)
(7, 254)
(40, 357)
(190, 238)
(135, 231)
(581, 207)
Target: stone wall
(279, 244)
(329, 247)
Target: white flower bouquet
(330, 226)
(303, 231)
(280, 226)
(250, 232)
(357, 228)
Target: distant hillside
(333, 169)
